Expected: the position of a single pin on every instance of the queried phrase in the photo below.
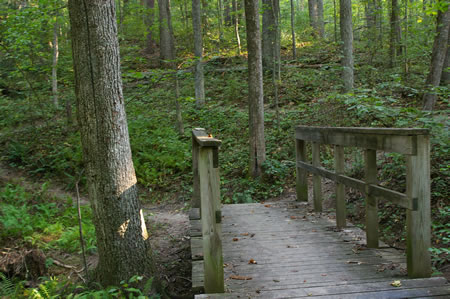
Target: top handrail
(399, 140)
(204, 139)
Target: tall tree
(395, 33)
(255, 89)
(236, 25)
(198, 52)
(438, 56)
(166, 44)
(149, 21)
(55, 46)
(270, 14)
(316, 17)
(294, 49)
(119, 221)
(347, 43)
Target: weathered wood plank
(203, 139)
(391, 140)
(302, 176)
(370, 157)
(341, 210)
(211, 228)
(317, 180)
(418, 223)
(398, 198)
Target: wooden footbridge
(287, 249)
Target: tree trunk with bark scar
(347, 44)
(122, 243)
(198, 52)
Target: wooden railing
(206, 196)
(414, 143)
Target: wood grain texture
(302, 175)
(211, 230)
(298, 253)
(370, 169)
(317, 180)
(418, 223)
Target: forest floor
(167, 223)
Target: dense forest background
(399, 78)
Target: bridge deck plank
(298, 253)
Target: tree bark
(198, 52)
(445, 77)
(347, 43)
(236, 26)
(55, 47)
(316, 17)
(294, 48)
(149, 21)
(255, 89)
(167, 43)
(269, 32)
(395, 33)
(437, 58)
(121, 233)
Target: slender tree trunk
(198, 52)
(119, 221)
(371, 15)
(405, 45)
(166, 44)
(255, 89)
(149, 21)
(294, 48)
(180, 126)
(55, 46)
(236, 26)
(312, 8)
(220, 12)
(438, 57)
(347, 43)
(335, 21)
(445, 77)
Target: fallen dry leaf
(396, 283)
(244, 234)
(267, 206)
(293, 217)
(355, 262)
(235, 239)
(239, 277)
(252, 261)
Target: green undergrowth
(41, 142)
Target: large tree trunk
(255, 89)
(347, 43)
(198, 52)
(269, 32)
(120, 228)
(438, 57)
(395, 33)
(55, 47)
(166, 44)
(316, 17)
(149, 20)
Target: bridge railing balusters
(414, 143)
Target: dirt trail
(167, 223)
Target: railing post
(317, 184)
(418, 223)
(207, 195)
(370, 157)
(195, 201)
(302, 175)
(341, 212)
